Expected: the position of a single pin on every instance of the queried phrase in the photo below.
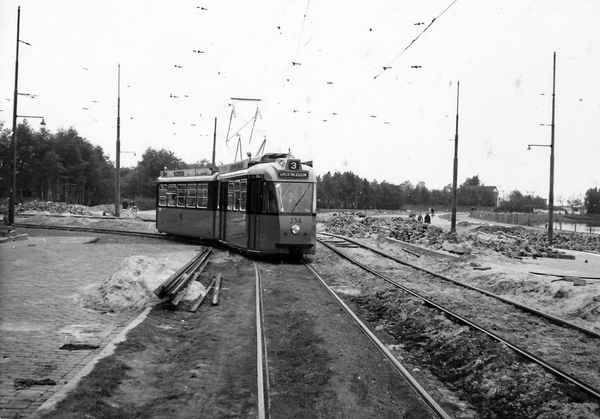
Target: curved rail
(158, 236)
(261, 365)
(421, 392)
(531, 310)
(94, 230)
(580, 384)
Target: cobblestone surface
(40, 280)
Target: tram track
(575, 347)
(134, 233)
(523, 307)
(314, 359)
(113, 231)
(321, 352)
(414, 384)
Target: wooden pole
(215, 300)
(214, 166)
(455, 171)
(203, 295)
(13, 179)
(551, 193)
(118, 159)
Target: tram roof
(274, 166)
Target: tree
(592, 201)
(422, 194)
(517, 202)
(473, 181)
(154, 161)
(59, 167)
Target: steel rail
(192, 271)
(550, 317)
(259, 347)
(556, 371)
(158, 236)
(421, 392)
(96, 230)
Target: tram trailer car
(264, 206)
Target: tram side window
(243, 194)
(236, 194)
(181, 193)
(203, 195)
(191, 195)
(162, 195)
(230, 195)
(171, 192)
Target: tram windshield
(288, 197)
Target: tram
(264, 205)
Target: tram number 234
(295, 220)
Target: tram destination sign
(288, 174)
(202, 171)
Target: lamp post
(551, 145)
(13, 180)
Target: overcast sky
(318, 69)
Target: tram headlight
(295, 229)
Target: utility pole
(214, 166)
(551, 193)
(118, 160)
(455, 173)
(13, 180)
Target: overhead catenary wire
(389, 65)
(301, 32)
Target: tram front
(287, 221)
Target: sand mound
(132, 285)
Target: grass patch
(91, 397)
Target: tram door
(220, 218)
(253, 210)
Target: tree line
(64, 167)
(347, 190)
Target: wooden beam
(203, 295)
(215, 300)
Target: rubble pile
(410, 230)
(350, 226)
(513, 242)
(50, 207)
(528, 242)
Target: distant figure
(432, 212)
(427, 219)
(420, 218)
(134, 207)
(125, 204)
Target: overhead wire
(414, 40)
(301, 32)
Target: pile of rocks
(50, 207)
(514, 241)
(528, 242)
(351, 226)
(409, 230)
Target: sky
(368, 87)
